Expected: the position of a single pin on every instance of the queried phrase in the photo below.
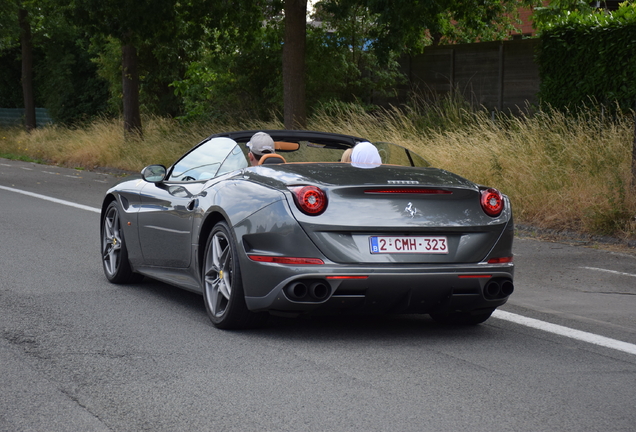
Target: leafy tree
(70, 87)
(158, 39)
(407, 26)
(556, 10)
(233, 79)
(16, 24)
(399, 26)
(63, 78)
(238, 79)
(349, 69)
(131, 22)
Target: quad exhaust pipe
(507, 287)
(310, 291)
(297, 291)
(318, 291)
(498, 289)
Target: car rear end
(395, 239)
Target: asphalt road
(80, 354)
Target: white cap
(261, 143)
(365, 155)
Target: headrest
(271, 158)
(286, 146)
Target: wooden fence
(500, 76)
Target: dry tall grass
(560, 171)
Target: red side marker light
(500, 260)
(347, 277)
(286, 260)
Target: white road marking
(55, 200)
(507, 316)
(609, 271)
(567, 332)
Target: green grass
(20, 157)
(561, 171)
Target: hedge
(590, 59)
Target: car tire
(461, 318)
(113, 246)
(222, 283)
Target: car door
(168, 207)
(165, 222)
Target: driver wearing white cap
(260, 144)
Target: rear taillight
(492, 202)
(310, 200)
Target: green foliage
(235, 83)
(171, 39)
(9, 29)
(130, 21)
(106, 55)
(244, 79)
(10, 88)
(589, 58)
(549, 14)
(406, 26)
(159, 65)
(68, 82)
(340, 62)
(65, 80)
(20, 157)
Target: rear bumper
(391, 290)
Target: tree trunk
(130, 87)
(27, 69)
(295, 111)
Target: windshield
(215, 157)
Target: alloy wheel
(218, 274)
(112, 242)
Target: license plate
(422, 245)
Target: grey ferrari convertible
(299, 231)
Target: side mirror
(154, 173)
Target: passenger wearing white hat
(365, 155)
(260, 144)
